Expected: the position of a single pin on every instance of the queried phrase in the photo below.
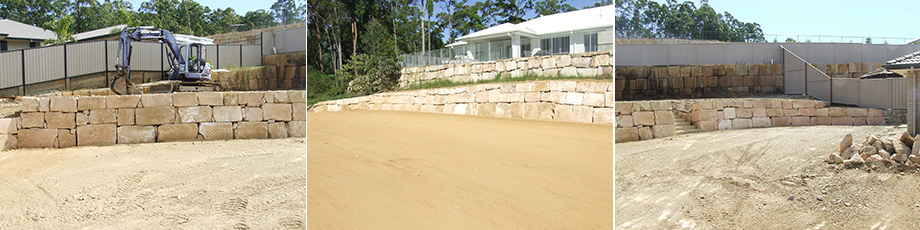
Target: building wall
(13, 44)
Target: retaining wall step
(687, 131)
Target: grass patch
(325, 97)
(441, 83)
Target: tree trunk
(354, 42)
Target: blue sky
(861, 19)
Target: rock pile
(901, 150)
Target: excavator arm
(121, 84)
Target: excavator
(185, 74)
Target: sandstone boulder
(906, 139)
(871, 139)
(874, 159)
(846, 142)
(884, 154)
(834, 158)
(848, 152)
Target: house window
(591, 42)
(525, 47)
(546, 45)
(32, 44)
(3, 46)
(561, 45)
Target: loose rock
(848, 152)
(900, 158)
(884, 154)
(857, 160)
(872, 139)
(846, 142)
(886, 145)
(834, 158)
(914, 158)
(906, 139)
(901, 148)
(875, 158)
(868, 151)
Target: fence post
(241, 55)
(66, 79)
(218, 55)
(22, 54)
(106, 44)
(162, 54)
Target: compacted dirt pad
(743, 179)
(237, 184)
(405, 170)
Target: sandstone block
(101, 134)
(123, 116)
(278, 112)
(56, 120)
(297, 128)
(228, 113)
(801, 121)
(574, 98)
(621, 107)
(645, 133)
(664, 117)
(230, 98)
(659, 131)
(89, 103)
(761, 122)
(254, 98)
(252, 114)
(857, 112)
(822, 112)
(583, 114)
(707, 125)
(184, 99)
(44, 104)
(875, 113)
(821, 121)
(156, 100)
(123, 101)
(8, 142)
(9, 125)
(37, 138)
(841, 121)
(725, 124)
(136, 134)
(210, 98)
(759, 112)
(293, 96)
(859, 121)
(195, 114)
(875, 120)
(781, 121)
(741, 123)
(729, 113)
(594, 99)
(216, 130)
(251, 130)
(177, 132)
(626, 134)
(63, 104)
(643, 118)
(102, 116)
(32, 120)
(709, 115)
(837, 112)
(603, 116)
(277, 130)
(744, 113)
(155, 116)
(29, 104)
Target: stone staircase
(682, 126)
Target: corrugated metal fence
(755, 53)
(49, 63)
(803, 78)
(284, 41)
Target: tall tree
(288, 11)
(644, 18)
(549, 7)
(257, 19)
(62, 30)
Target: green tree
(257, 19)
(649, 19)
(549, 7)
(600, 3)
(790, 40)
(288, 11)
(377, 68)
(33, 12)
(62, 31)
(869, 40)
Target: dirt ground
(237, 184)
(405, 170)
(743, 179)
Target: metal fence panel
(819, 84)
(846, 90)
(874, 53)
(898, 89)
(145, 56)
(681, 54)
(654, 55)
(628, 60)
(875, 93)
(252, 55)
(85, 58)
(44, 64)
(755, 53)
(229, 56)
(290, 40)
(211, 55)
(268, 43)
(10, 69)
(708, 52)
(794, 71)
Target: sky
(858, 18)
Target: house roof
(98, 32)
(593, 18)
(18, 30)
(904, 62)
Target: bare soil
(406, 170)
(743, 179)
(237, 184)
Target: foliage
(869, 40)
(790, 40)
(62, 31)
(178, 16)
(649, 19)
(377, 69)
(548, 7)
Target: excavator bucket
(122, 86)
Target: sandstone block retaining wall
(644, 120)
(66, 121)
(585, 101)
(582, 65)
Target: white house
(580, 31)
(16, 35)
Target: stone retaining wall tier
(582, 65)
(584, 101)
(59, 122)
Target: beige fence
(803, 78)
(20, 68)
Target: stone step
(686, 131)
